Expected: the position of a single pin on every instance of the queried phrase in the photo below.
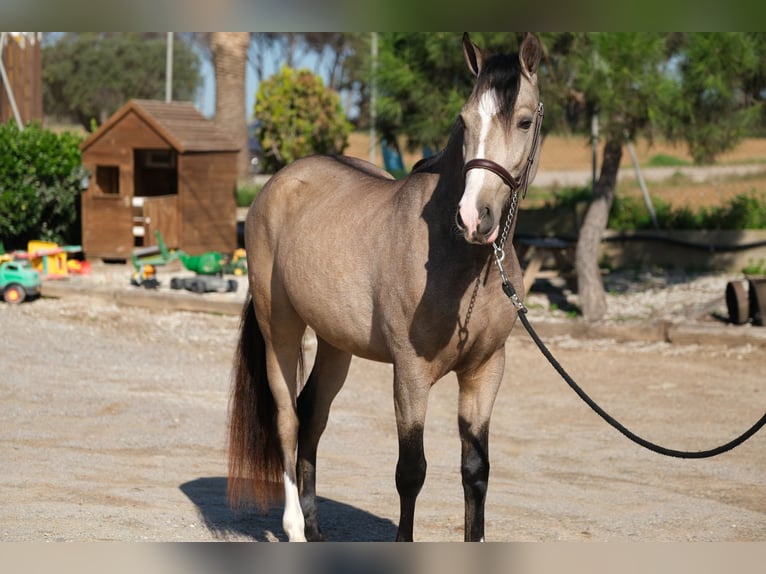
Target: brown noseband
(496, 168)
(513, 182)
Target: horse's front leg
(410, 402)
(478, 389)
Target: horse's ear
(529, 55)
(474, 57)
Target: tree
(423, 82)
(298, 117)
(338, 54)
(711, 112)
(631, 81)
(755, 82)
(86, 77)
(622, 78)
(229, 50)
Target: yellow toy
(50, 259)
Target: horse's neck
(448, 166)
(442, 195)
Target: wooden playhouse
(158, 166)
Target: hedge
(40, 184)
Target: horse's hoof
(314, 536)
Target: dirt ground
(114, 426)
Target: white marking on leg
(292, 518)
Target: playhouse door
(161, 213)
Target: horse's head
(500, 123)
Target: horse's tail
(255, 466)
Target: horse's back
(329, 178)
(319, 169)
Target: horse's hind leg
(478, 389)
(326, 379)
(282, 334)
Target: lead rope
(498, 248)
(521, 309)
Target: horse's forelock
(502, 74)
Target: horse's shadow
(340, 522)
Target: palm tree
(229, 50)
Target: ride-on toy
(18, 281)
(209, 268)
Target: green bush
(755, 267)
(745, 211)
(246, 194)
(571, 196)
(665, 160)
(298, 117)
(40, 185)
(628, 213)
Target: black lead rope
(522, 313)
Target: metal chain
(462, 333)
(499, 247)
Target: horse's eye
(525, 124)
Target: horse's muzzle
(485, 231)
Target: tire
(14, 294)
(232, 286)
(197, 286)
(737, 302)
(176, 283)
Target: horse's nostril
(486, 221)
(459, 221)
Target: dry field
(574, 153)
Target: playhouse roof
(179, 123)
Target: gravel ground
(114, 425)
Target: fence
(22, 63)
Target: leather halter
(494, 167)
(514, 183)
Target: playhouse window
(155, 172)
(108, 178)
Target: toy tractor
(146, 259)
(209, 268)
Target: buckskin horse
(399, 271)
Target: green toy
(209, 268)
(18, 281)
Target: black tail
(255, 466)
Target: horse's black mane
(500, 72)
(433, 163)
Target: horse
(399, 271)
